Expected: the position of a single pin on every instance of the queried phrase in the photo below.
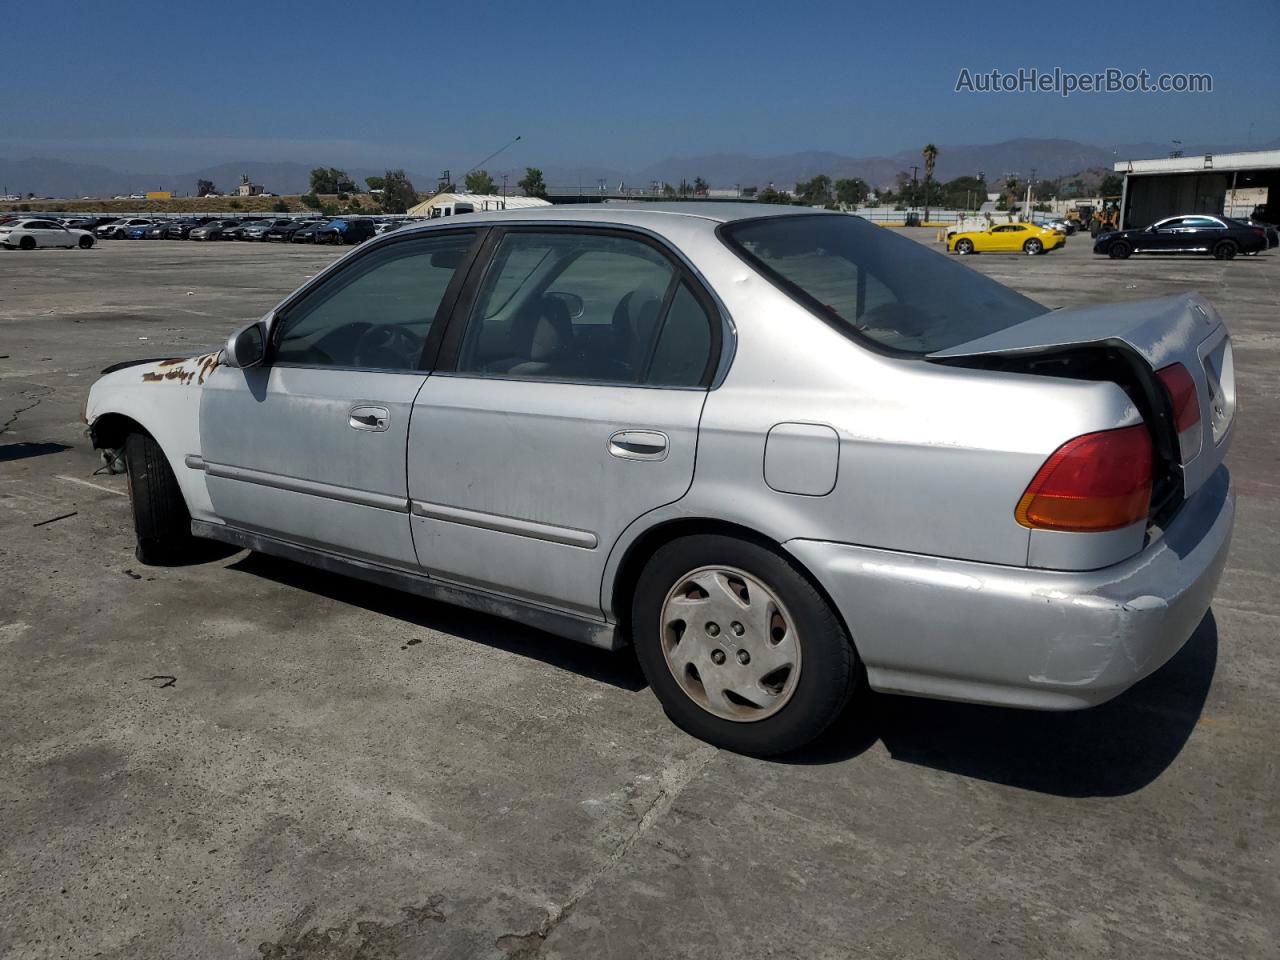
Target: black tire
(830, 671)
(27, 243)
(1225, 250)
(1119, 250)
(160, 517)
(1033, 246)
(964, 247)
(85, 243)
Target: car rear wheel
(85, 243)
(1119, 250)
(739, 647)
(1225, 250)
(1033, 246)
(160, 517)
(27, 243)
(964, 246)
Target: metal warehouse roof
(1251, 160)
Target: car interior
(568, 308)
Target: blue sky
(426, 85)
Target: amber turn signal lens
(1100, 481)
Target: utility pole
(1030, 180)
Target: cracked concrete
(671, 781)
(338, 771)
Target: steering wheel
(388, 345)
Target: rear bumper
(1049, 640)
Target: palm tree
(930, 154)
(1011, 185)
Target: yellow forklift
(1106, 217)
(1079, 216)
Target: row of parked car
(339, 230)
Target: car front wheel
(27, 243)
(85, 243)
(740, 648)
(1119, 250)
(964, 246)
(160, 517)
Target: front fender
(163, 397)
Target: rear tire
(27, 243)
(781, 712)
(85, 243)
(160, 517)
(1225, 250)
(1033, 246)
(1119, 250)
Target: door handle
(373, 419)
(639, 445)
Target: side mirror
(246, 347)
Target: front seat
(541, 340)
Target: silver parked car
(784, 453)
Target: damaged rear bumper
(1049, 640)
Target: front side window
(589, 307)
(377, 312)
(872, 283)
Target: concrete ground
(249, 759)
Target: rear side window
(586, 307)
(875, 284)
(680, 357)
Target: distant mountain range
(1048, 158)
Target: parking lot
(248, 758)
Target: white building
(453, 204)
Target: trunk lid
(1183, 329)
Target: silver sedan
(786, 454)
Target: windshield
(875, 283)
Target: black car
(1203, 233)
(344, 230)
(286, 229)
(307, 232)
(158, 231)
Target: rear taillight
(1100, 481)
(1186, 408)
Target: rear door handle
(373, 419)
(639, 445)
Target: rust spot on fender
(183, 369)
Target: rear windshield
(875, 283)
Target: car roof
(643, 213)
(657, 217)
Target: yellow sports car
(1006, 238)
